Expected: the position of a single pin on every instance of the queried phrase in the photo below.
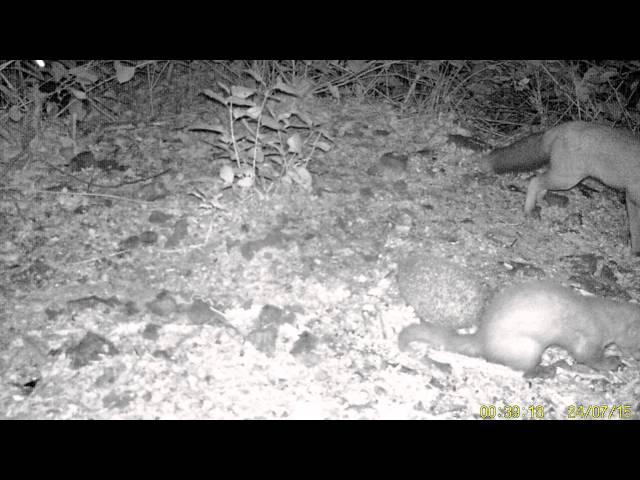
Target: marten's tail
(439, 337)
(526, 154)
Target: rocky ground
(181, 297)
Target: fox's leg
(633, 211)
(549, 180)
(535, 192)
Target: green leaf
(246, 181)
(239, 113)
(214, 96)
(283, 117)
(15, 114)
(209, 127)
(242, 92)
(240, 136)
(76, 108)
(225, 137)
(301, 176)
(269, 122)
(79, 94)
(294, 142)
(226, 174)
(357, 66)
(240, 101)
(83, 75)
(58, 71)
(283, 87)
(256, 152)
(124, 73)
(303, 86)
(256, 75)
(305, 118)
(324, 146)
(254, 112)
(334, 91)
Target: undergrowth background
(495, 96)
(104, 246)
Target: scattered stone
(37, 274)
(535, 213)
(542, 372)
(403, 221)
(200, 313)
(129, 243)
(272, 315)
(159, 217)
(156, 190)
(149, 237)
(67, 153)
(92, 347)
(162, 354)
(9, 252)
(599, 287)
(179, 233)
(108, 377)
(366, 192)
(400, 187)
(81, 209)
(109, 164)
(573, 221)
(500, 237)
(391, 166)
(81, 161)
(527, 270)
(92, 302)
(585, 264)
(448, 237)
(151, 331)
(426, 152)
(440, 366)
(305, 344)
(28, 387)
(163, 305)
(596, 275)
(274, 239)
(53, 314)
(264, 339)
(130, 308)
(116, 400)
(607, 275)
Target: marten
(523, 320)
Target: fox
(574, 151)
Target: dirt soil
(179, 298)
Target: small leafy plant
(265, 134)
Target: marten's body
(523, 320)
(574, 151)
